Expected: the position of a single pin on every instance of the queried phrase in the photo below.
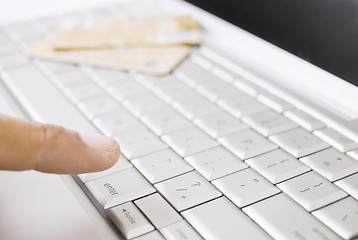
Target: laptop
(243, 140)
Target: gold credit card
(150, 60)
(125, 32)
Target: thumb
(47, 148)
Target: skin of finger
(26, 145)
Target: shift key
(119, 187)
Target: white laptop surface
(272, 80)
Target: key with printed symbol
(349, 185)
(245, 187)
(277, 166)
(219, 124)
(119, 187)
(299, 142)
(180, 230)
(247, 143)
(312, 191)
(336, 139)
(341, 216)
(221, 219)
(268, 123)
(187, 190)
(129, 220)
(139, 143)
(275, 216)
(215, 163)
(98, 106)
(161, 165)
(165, 120)
(305, 120)
(189, 141)
(332, 164)
(117, 123)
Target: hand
(26, 145)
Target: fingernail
(99, 142)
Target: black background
(323, 32)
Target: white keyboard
(206, 154)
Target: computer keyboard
(206, 153)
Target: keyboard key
(349, 185)
(341, 217)
(83, 91)
(331, 164)
(201, 61)
(268, 123)
(277, 166)
(54, 68)
(157, 210)
(165, 120)
(219, 124)
(312, 191)
(129, 220)
(216, 91)
(246, 86)
(122, 91)
(180, 231)
(224, 74)
(50, 106)
(247, 143)
(274, 102)
(117, 123)
(161, 165)
(189, 141)
(7, 49)
(69, 79)
(240, 106)
(215, 163)
(299, 142)
(13, 60)
(23, 30)
(98, 106)
(305, 120)
(155, 235)
(187, 190)
(139, 143)
(220, 219)
(107, 77)
(353, 154)
(119, 187)
(151, 81)
(191, 73)
(245, 187)
(336, 139)
(138, 105)
(282, 218)
(193, 105)
(170, 92)
(122, 164)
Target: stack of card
(152, 45)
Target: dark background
(323, 32)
